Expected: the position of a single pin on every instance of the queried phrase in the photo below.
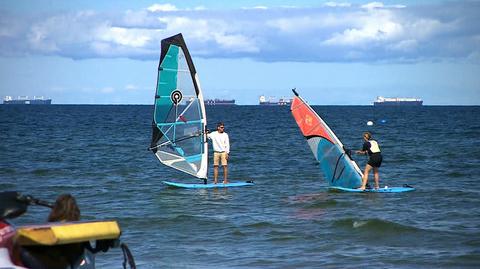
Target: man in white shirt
(221, 149)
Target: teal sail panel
(337, 166)
(179, 119)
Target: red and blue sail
(337, 166)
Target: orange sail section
(309, 122)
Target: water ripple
(288, 220)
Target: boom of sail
(336, 164)
(179, 119)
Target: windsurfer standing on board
(371, 148)
(221, 149)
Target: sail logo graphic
(176, 97)
(308, 120)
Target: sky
(332, 52)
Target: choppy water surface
(288, 220)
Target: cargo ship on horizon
(397, 101)
(25, 100)
(272, 101)
(219, 102)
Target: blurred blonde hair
(368, 135)
(65, 209)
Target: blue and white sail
(336, 164)
(179, 119)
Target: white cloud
(292, 25)
(371, 26)
(101, 48)
(131, 87)
(107, 90)
(162, 8)
(125, 36)
(373, 31)
(373, 5)
(38, 39)
(425, 28)
(380, 5)
(140, 19)
(335, 4)
(204, 31)
(404, 45)
(56, 34)
(256, 7)
(236, 43)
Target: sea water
(288, 219)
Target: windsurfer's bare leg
(365, 177)
(377, 177)
(225, 174)
(215, 174)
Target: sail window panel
(185, 125)
(186, 87)
(174, 114)
(178, 163)
(184, 78)
(188, 139)
(187, 113)
(164, 141)
(335, 164)
(313, 143)
(181, 135)
(186, 167)
(327, 156)
(183, 140)
(191, 113)
(172, 149)
(167, 156)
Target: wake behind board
(209, 185)
(380, 190)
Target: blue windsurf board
(380, 190)
(208, 185)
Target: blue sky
(333, 52)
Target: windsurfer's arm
(364, 149)
(227, 146)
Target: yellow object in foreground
(66, 232)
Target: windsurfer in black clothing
(371, 148)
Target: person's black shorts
(375, 160)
